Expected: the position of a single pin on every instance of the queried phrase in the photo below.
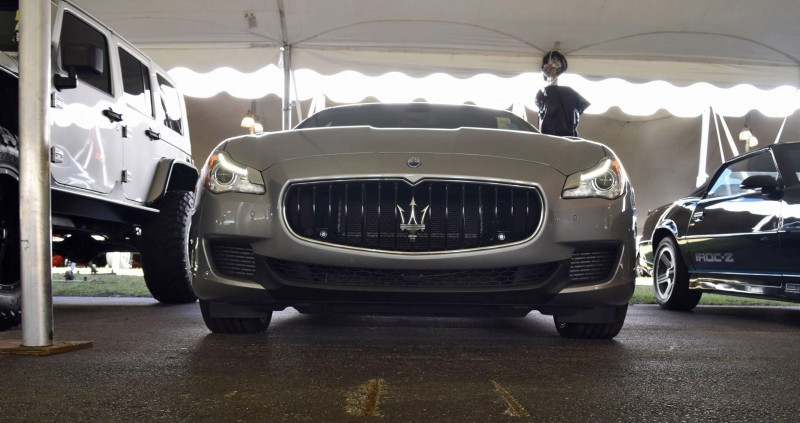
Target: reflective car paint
(745, 243)
(291, 264)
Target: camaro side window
(77, 32)
(792, 156)
(728, 181)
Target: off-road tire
(10, 300)
(592, 330)
(232, 324)
(165, 250)
(671, 278)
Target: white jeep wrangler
(122, 176)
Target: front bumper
(582, 257)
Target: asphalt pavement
(152, 362)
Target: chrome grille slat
(447, 215)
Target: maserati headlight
(605, 180)
(222, 174)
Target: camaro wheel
(165, 250)
(671, 279)
(592, 330)
(232, 324)
(10, 314)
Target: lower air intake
(592, 265)
(235, 260)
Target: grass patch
(643, 294)
(100, 285)
(108, 285)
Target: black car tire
(671, 279)
(592, 330)
(233, 324)
(165, 250)
(10, 300)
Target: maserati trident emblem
(414, 162)
(412, 226)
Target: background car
(414, 208)
(738, 234)
(122, 176)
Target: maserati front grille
(430, 216)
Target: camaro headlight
(222, 174)
(605, 180)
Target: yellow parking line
(514, 408)
(364, 401)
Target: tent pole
(287, 87)
(34, 173)
(728, 136)
(719, 135)
(701, 171)
(286, 53)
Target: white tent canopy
(691, 55)
(722, 42)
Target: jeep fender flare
(172, 175)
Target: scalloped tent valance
(682, 42)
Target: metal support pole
(702, 163)
(287, 86)
(34, 170)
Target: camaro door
(733, 232)
(789, 232)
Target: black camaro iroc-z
(738, 234)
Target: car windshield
(416, 115)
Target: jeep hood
(563, 154)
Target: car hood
(563, 154)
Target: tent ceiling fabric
(723, 42)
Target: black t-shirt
(560, 109)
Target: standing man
(560, 108)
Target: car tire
(165, 250)
(233, 324)
(10, 300)
(671, 278)
(592, 330)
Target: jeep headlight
(605, 180)
(222, 174)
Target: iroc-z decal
(714, 257)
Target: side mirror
(766, 183)
(77, 58)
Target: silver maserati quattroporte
(414, 208)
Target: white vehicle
(120, 157)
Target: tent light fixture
(248, 120)
(745, 134)
(251, 121)
(250, 17)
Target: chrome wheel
(664, 274)
(671, 278)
